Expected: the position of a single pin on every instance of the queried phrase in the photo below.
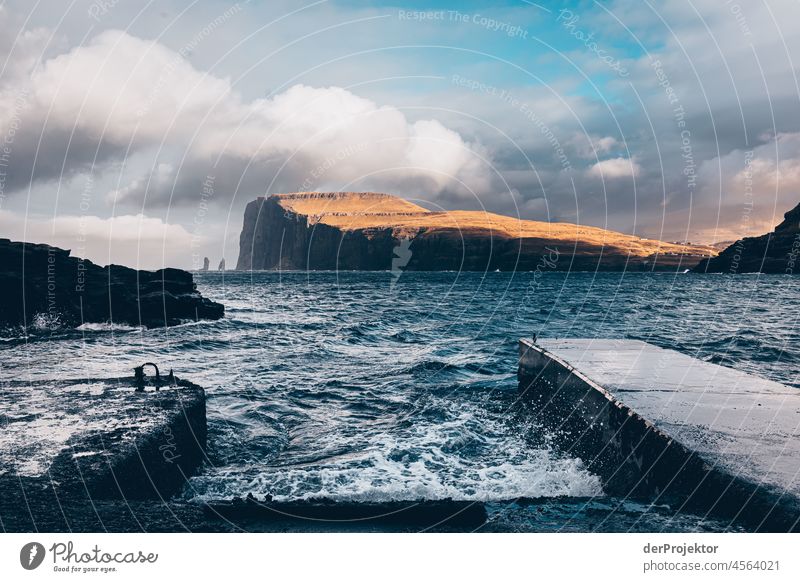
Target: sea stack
(777, 252)
(363, 230)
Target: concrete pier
(99, 439)
(660, 425)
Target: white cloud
(129, 94)
(605, 144)
(134, 240)
(591, 146)
(614, 168)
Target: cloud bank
(119, 95)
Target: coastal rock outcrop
(44, 286)
(373, 231)
(777, 252)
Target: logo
(401, 255)
(31, 555)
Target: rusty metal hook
(139, 378)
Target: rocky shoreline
(43, 286)
(776, 253)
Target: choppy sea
(402, 386)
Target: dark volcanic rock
(371, 232)
(776, 252)
(43, 285)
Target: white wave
(91, 388)
(382, 479)
(46, 321)
(463, 459)
(108, 326)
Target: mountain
(774, 252)
(44, 286)
(371, 231)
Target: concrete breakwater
(69, 445)
(113, 455)
(100, 438)
(662, 426)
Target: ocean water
(402, 386)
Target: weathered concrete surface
(392, 515)
(99, 439)
(657, 424)
(46, 512)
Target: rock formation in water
(221, 266)
(774, 252)
(371, 231)
(205, 264)
(44, 286)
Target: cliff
(40, 284)
(367, 231)
(774, 252)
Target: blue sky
(673, 119)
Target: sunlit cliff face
(360, 230)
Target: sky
(136, 132)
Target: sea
(401, 386)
